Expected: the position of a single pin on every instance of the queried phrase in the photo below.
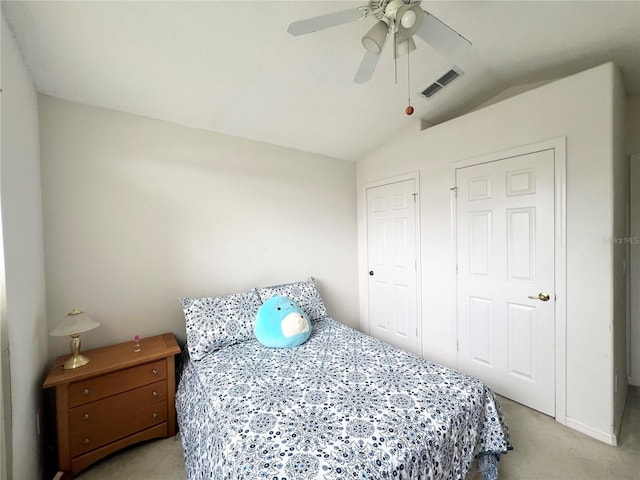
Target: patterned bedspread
(341, 406)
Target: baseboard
(605, 437)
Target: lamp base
(75, 361)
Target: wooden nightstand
(119, 398)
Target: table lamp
(74, 323)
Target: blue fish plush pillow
(281, 323)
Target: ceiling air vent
(443, 81)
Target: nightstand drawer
(122, 424)
(115, 409)
(113, 383)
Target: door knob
(371, 272)
(541, 296)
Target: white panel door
(634, 254)
(505, 261)
(391, 245)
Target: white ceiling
(231, 67)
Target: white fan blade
(441, 37)
(326, 21)
(367, 67)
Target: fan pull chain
(409, 109)
(395, 56)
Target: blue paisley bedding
(341, 406)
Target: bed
(341, 406)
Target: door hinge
(457, 345)
(414, 197)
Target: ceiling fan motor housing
(384, 8)
(401, 17)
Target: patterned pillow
(304, 294)
(215, 322)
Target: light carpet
(544, 450)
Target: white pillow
(303, 293)
(216, 322)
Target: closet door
(506, 283)
(392, 266)
(634, 277)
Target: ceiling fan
(400, 19)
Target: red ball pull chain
(409, 110)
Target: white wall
(24, 288)
(578, 107)
(139, 212)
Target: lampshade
(408, 19)
(73, 324)
(404, 45)
(374, 40)
(76, 321)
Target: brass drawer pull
(85, 416)
(154, 415)
(154, 371)
(85, 441)
(85, 391)
(155, 394)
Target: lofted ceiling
(231, 66)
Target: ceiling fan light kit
(408, 19)
(400, 18)
(376, 37)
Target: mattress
(341, 406)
